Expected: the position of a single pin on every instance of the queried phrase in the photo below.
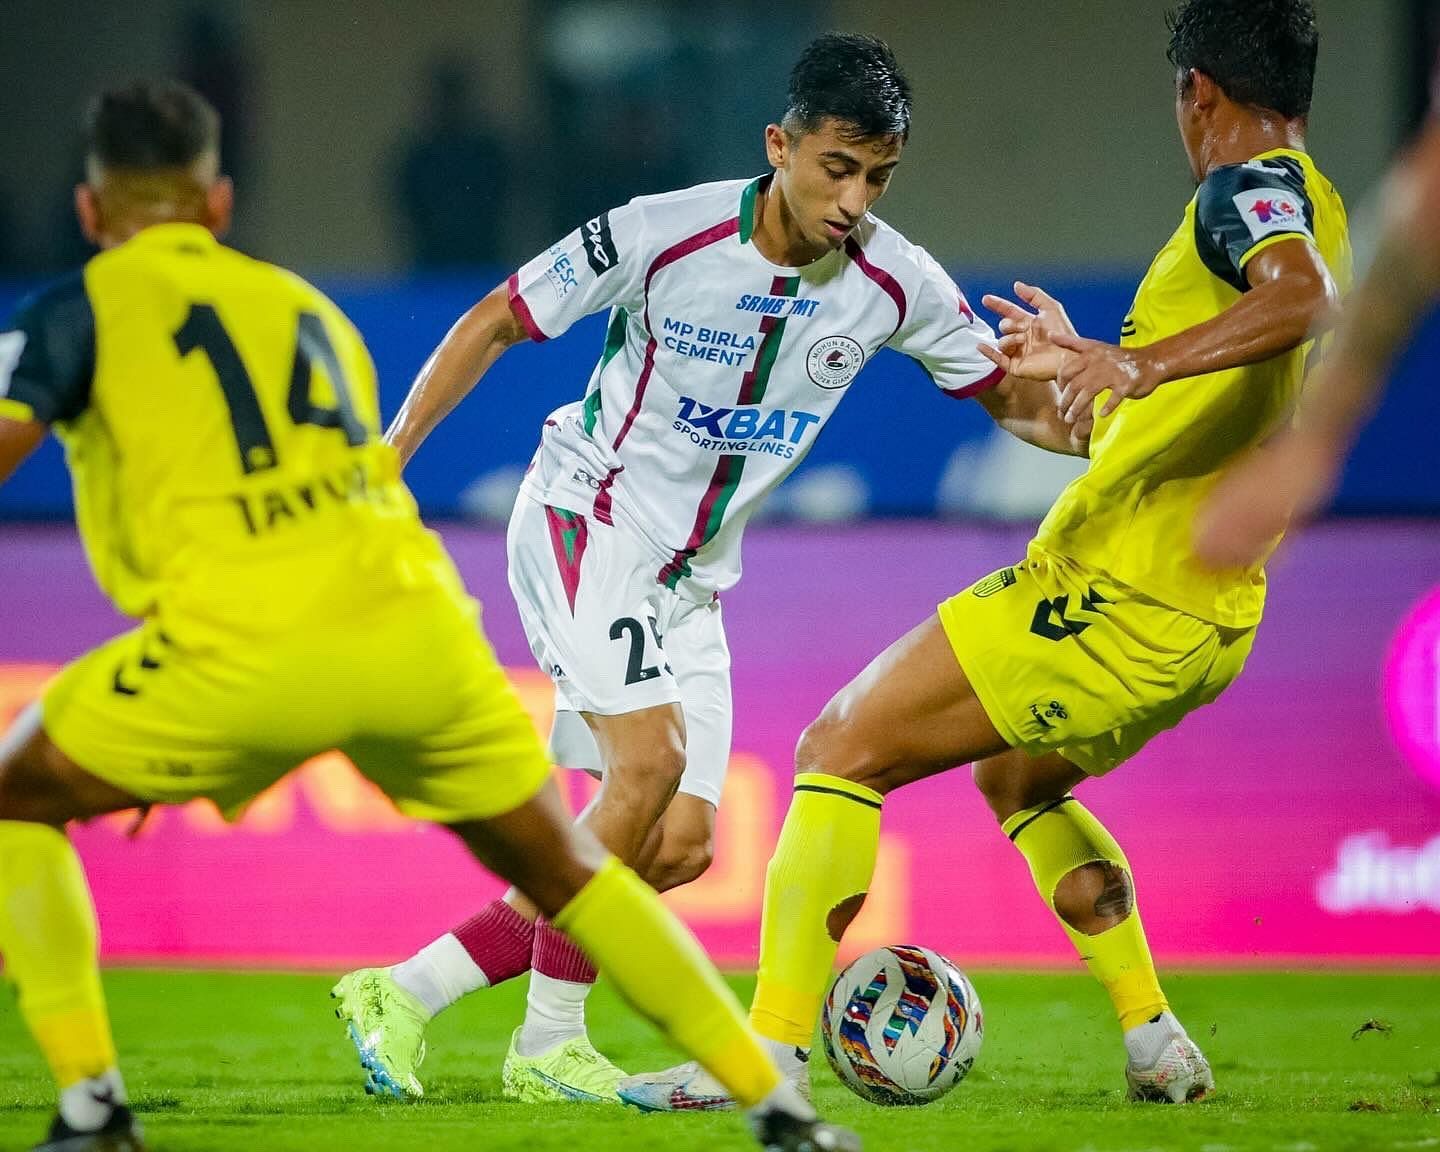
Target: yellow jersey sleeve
(1242, 209)
(47, 358)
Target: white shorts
(616, 640)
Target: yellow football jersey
(1154, 461)
(220, 417)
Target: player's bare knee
(1095, 896)
(1014, 781)
(40, 784)
(654, 771)
(999, 789)
(832, 746)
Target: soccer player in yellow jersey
(1065, 664)
(234, 493)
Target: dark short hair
(851, 78)
(1260, 52)
(151, 124)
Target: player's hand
(1092, 367)
(1026, 348)
(1287, 480)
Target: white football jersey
(719, 367)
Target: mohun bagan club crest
(834, 361)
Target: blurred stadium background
(405, 157)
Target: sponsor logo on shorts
(995, 582)
(1056, 619)
(834, 361)
(1049, 711)
(600, 250)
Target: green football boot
(387, 1026)
(572, 1071)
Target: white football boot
(689, 1088)
(1165, 1066)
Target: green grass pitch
(220, 1061)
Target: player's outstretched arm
(1292, 298)
(469, 348)
(18, 438)
(1029, 410)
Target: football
(902, 1025)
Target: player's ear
(87, 211)
(220, 205)
(1204, 92)
(777, 145)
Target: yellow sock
(659, 968)
(48, 937)
(814, 887)
(1057, 838)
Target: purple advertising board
(1295, 820)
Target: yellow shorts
(1065, 659)
(405, 684)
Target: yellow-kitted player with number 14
(221, 421)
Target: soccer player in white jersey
(740, 314)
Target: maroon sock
(556, 956)
(499, 940)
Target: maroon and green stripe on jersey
(614, 341)
(731, 465)
(677, 251)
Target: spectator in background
(452, 178)
(621, 84)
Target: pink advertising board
(1296, 819)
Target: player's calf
(48, 936)
(644, 757)
(1094, 897)
(678, 864)
(686, 845)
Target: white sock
(1145, 1042)
(555, 1013)
(440, 974)
(86, 1105)
(793, 1062)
